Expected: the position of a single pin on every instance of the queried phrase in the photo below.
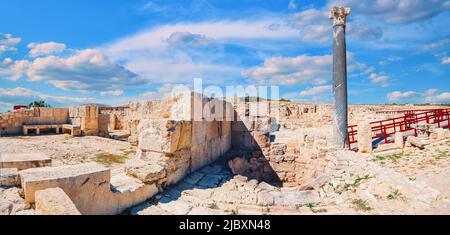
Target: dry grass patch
(361, 205)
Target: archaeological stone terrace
(240, 157)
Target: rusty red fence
(385, 128)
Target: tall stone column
(340, 127)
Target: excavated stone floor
(359, 185)
(416, 182)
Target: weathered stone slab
(54, 201)
(129, 192)
(417, 142)
(9, 177)
(147, 173)
(84, 184)
(23, 161)
(89, 187)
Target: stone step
(23, 161)
(54, 201)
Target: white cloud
(379, 78)
(305, 69)
(430, 96)
(20, 95)
(397, 95)
(85, 70)
(292, 5)
(293, 70)
(446, 60)
(150, 53)
(315, 91)
(49, 48)
(156, 38)
(435, 45)
(433, 96)
(397, 11)
(315, 26)
(112, 93)
(8, 42)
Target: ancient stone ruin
(283, 144)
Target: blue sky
(71, 52)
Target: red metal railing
(385, 128)
(406, 111)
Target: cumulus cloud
(48, 48)
(397, 11)
(112, 93)
(305, 69)
(446, 60)
(379, 78)
(150, 52)
(293, 70)
(8, 42)
(429, 96)
(397, 95)
(85, 70)
(315, 91)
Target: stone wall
(172, 147)
(87, 117)
(12, 123)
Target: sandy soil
(66, 150)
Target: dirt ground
(67, 150)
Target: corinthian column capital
(339, 15)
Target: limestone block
(226, 128)
(129, 192)
(164, 136)
(199, 132)
(417, 142)
(89, 187)
(225, 144)
(24, 161)
(213, 130)
(9, 177)
(181, 105)
(54, 201)
(86, 184)
(399, 142)
(147, 172)
(61, 116)
(89, 121)
(364, 138)
(199, 156)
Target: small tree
(38, 103)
